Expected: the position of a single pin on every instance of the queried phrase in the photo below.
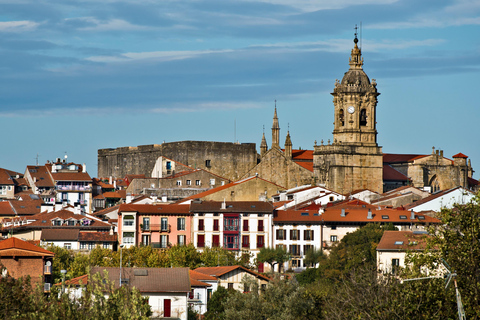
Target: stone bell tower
(353, 160)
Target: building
(233, 225)
(159, 225)
(20, 259)
(231, 277)
(203, 286)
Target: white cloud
(18, 26)
(157, 55)
(108, 25)
(314, 5)
(206, 106)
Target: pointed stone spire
(356, 60)
(263, 144)
(288, 146)
(275, 129)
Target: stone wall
(226, 159)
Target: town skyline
(82, 77)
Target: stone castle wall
(226, 159)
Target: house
(400, 196)
(230, 277)
(158, 225)
(203, 286)
(233, 225)
(20, 259)
(167, 289)
(348, 216)
(303, 196)
(74, 239)
(442, 199)
(8, 183)
(249, 189)
(393, 247)
(297, 231)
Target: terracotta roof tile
(231, 206)
(220, 271)
(301, 216)
(97, 237)
(58, 234)
(402, 241)
(110, 194)
(460, 155)
(5, 177)
(306, 165)
(156, 209)
(390, 174)
(6, 209)
(400, 158)
(21, 248)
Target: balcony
(160, 228)
(159, 245)
(145, 227)
(260, 229)
(201, 244)
(74, 188)
(193, 296)
(245, 228)
(246, 245)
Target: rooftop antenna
(36, 159)
(448, 276)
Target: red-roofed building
(203, 286)
(21, 259)
(159, 225)
(230, 277)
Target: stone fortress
(352, 161)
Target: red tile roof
(71, 176)
(110, 194)
(156, 209)
(460, 155)
(42, 175)
(390, 174)
(17, 247)
(231, 206)
(97, 237)
(6, 209)
(5, 177)
(430, 198)
(300, 216)
(59, 234)
(302, 155)
(402, 241)
(306, 165)
(400, 158)
(78, 281)
(220, 271)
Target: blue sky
(77, 76)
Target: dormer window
(71, 222)
(57, 222)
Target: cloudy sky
(78, 75)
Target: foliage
(216, 256)
(184, 256)
(215, 306)
(273, 257)
(280, 300)
(312, 257)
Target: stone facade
(226, 159)
(354, 160)
(276, 167)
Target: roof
(97, 237)
(42, 175)
(78, 281)
(402, 241)
(220, 271)
(5, 177)
(71, 176)
(231, 206)
(390, 174)
(305, 165)
(6, 209)
(431, 197)
(111, 194)
(197, 277)
(163, 208)
(16, 247)
(302, 155)
(59, 234)
(149, 280)
(27, 207)
(293, 216)
(460, 155)
(400, 158)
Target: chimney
(164, 198)
(369, 216)
(129, 198)
(34, 179)
(110, 180)
(412, 215)
(343, 213)
(224, 205)
(84, 168)
(115, 184)
(441, 153)
(154, 199)
(111, 231)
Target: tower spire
(288, 145)
(356, 60)
(275, 129)
(263, 144)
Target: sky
(78, 75)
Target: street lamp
(121, 247)
(63, 272)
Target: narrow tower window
(363, 117)
(341, 118)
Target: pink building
(157, 225)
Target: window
(164, 225)
(294, 234)
(216, 226)
(245, 225)
(189, 182)
(385, 217)
(201, 226)
(308, 235)
(333, 238)
(128, 220)
(201, 240)
(146, 239)
(212, 182)
(83, 245)
(260, 225)
(333, 227)
(363, 117)
(163, 241)
(223, 183)
(246, 288)
(294, 249)
(128, 237)
(71, 222)
(341, 117)
(106, 245)
(146, 224)
(179, 182)
(402, 217)
(245, 241)
(307, 248)
(398, 243)
(208, 163)
(231, 224)
(231, 241)
(281, 234)
(169, 165)
(230, 285)
(296, 263)
(260, 241)
(67, 246)
(181, 240)
(181, 224)
(198, 183)
(216, 240)
(395, 265)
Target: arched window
(341, 117)
(434, 184)
(363, 117)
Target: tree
(184, 256)
(273, 257)
(215, 306)
(216, 256)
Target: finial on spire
(356, 39)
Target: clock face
(351, 109)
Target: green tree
(184, 256)
(273, 257)
(215, 256)
(215, 306)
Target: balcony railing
(260, 228)
(245, 228)
(216, 244)
(246, 245)
(160, 228)
(193, 296)
(159, 245)
(73, 188)
(201, 244)
(231, 228)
